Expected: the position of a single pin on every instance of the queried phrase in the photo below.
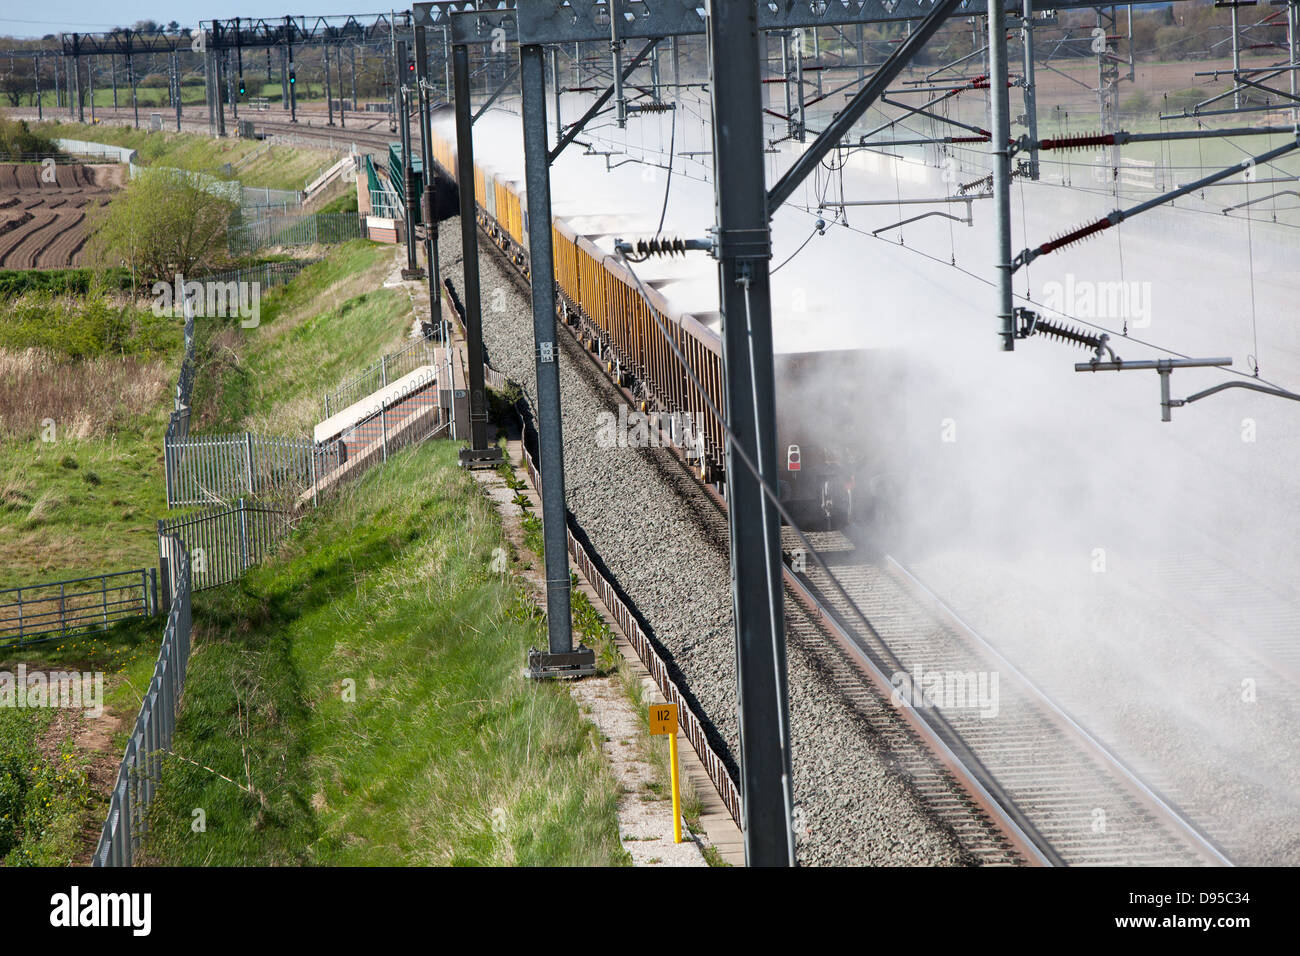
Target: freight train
(826, 467)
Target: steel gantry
(220, 40)
(128, 44)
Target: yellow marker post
(663, 721)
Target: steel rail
(1202, 843)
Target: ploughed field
(43, 223)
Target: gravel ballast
(653, 529)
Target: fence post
(383, 370)
(164, 566)
(63, 610)
(153, 588)
(314, 502)
(383, 427)
(248, 445)
(327, 404)
(103, 596)
(243, 538)
(20, 617)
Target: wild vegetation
(443, 755)
(15, 282)
(19, 142)
(163, 223)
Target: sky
(95, 16)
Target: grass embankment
(362, 693)
(276, 167)
(87, 502)
(357, 700)
(84, 388)
(326, 326)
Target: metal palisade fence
(220, 543)
(267, 274)
(303, 229)
(210, 469)
(45, 612)
(388, 369)
(141, 767)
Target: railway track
(1063, 789)
(372, 132)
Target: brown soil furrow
(64, 244)
(10, 223)
(27, 177)
(17, 256)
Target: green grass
(48, 804)
(344, 203)
(276, 167)
(447, 755)
(327, 325)
(73, 508)
(81, 436)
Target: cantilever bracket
(1164, 368)
(1253, 386)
